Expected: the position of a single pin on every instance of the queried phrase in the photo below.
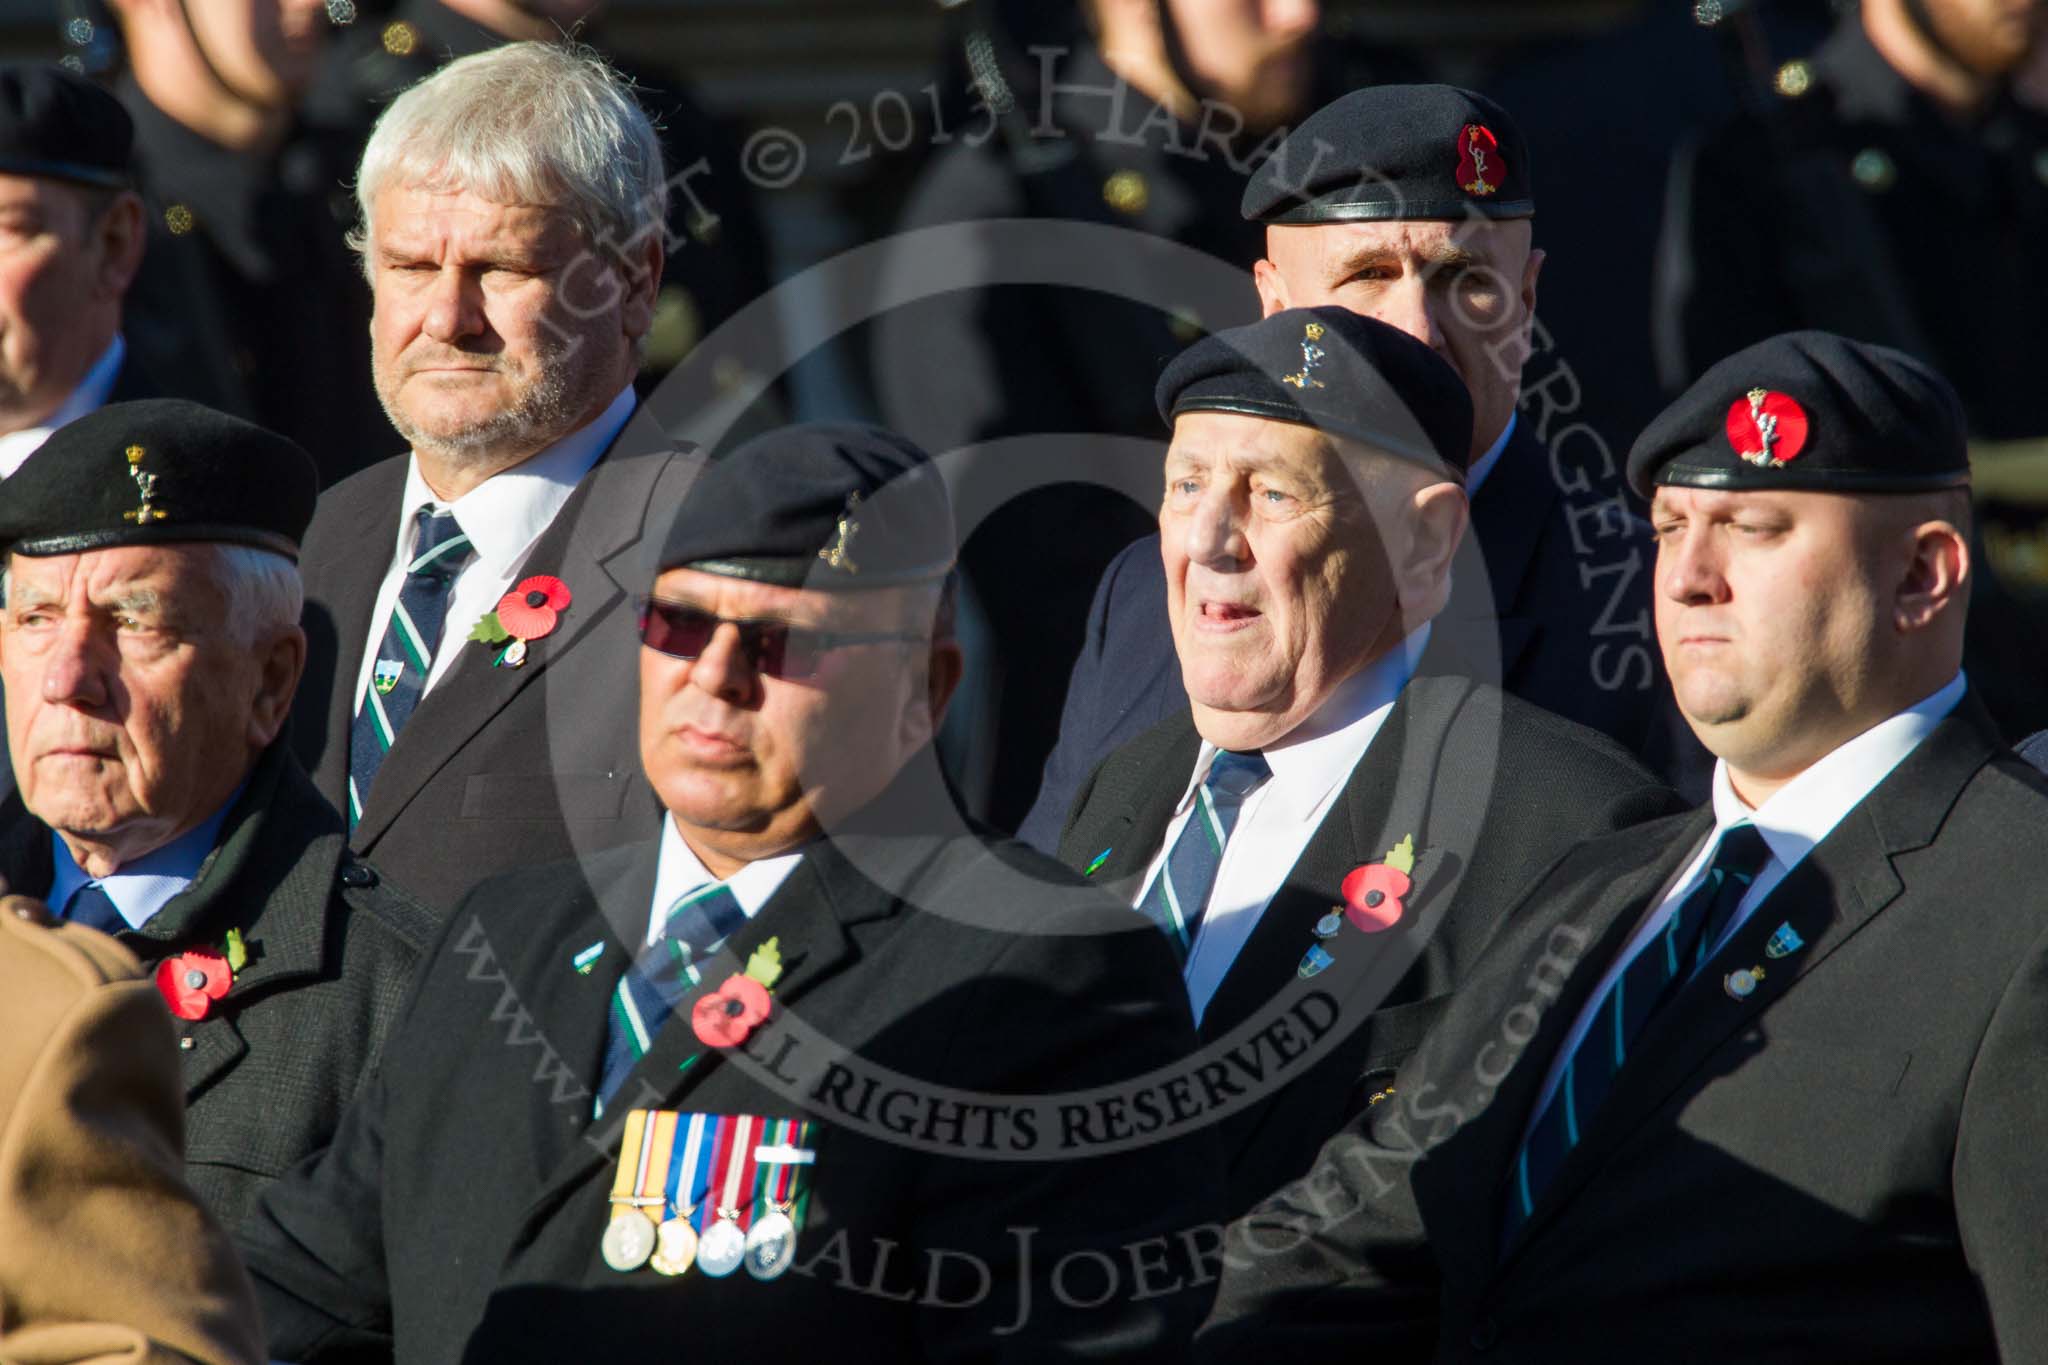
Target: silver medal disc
(628, 1242)
(721, 1249)
(675, 1248)
(771, 1246)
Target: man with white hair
(149, 648)
(472, 639)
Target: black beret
(157, 472)
(1394, 152)
(1809, 410)
(61, 126)
(827, 505)
(1338, 371)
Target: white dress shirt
(1276, 822)
(502, 516)
(1796, 818)
(89, 396)
(679, 871)
(1476, 472)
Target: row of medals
(766, 1250)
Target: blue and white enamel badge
(1785, 941)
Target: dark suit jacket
(459, 1212)
(499, 768)
(332, 948)
(1569, 608)
(1844, 1166)
(1493, 790)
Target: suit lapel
(1138, 798)
(1462, 1195)
(588, 546)
(348, 611)
(1833, 892)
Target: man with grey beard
(471, 644)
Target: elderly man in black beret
(1783, 1106)
(1322, 830)
(1414, 205)
(149, 646)
(815, 1069)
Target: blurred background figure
(70, 244)
(104, 1252)
(247, 269)
(1139, 116)
(717, 249)
(1893, 187)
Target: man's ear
(1437, 517)
(1937, 577)
(947, 664)
(642, 276)
(1272, 288)
(282, 660)
(119, 239)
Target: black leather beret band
(97, 176)
(1331, 210)
(170, 533)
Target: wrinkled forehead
(1502, 244)
(1249, 444)
(162, 572)
(429, 207)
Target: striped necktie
(1653, 977)
(405, 656)
(697, 926)
(1179, 894)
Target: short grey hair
(265, 595)
(546, 123)
(262, 593)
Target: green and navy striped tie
(697, 925)
(398, 676)
(1652, 978)
(1180, 892)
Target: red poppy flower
(531, 609)
(191, 982)
(1372, 896)
(726, 1016)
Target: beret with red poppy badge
(1809, 410)
(55, 125)
(159, 471)
(1335, 370)
(1414, 152)
(826, 505)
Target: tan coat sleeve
(105, 1255)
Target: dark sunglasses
(775, 649)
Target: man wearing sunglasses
(811, 937)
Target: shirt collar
(1476, 473)
(680, 871)
(142, 888)
(1320, 752)
(1806, 810)
(505, 514)
(89, 396)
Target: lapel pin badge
(1095, 863)
(1742, 984)
(1785, 941)
(587, 959)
